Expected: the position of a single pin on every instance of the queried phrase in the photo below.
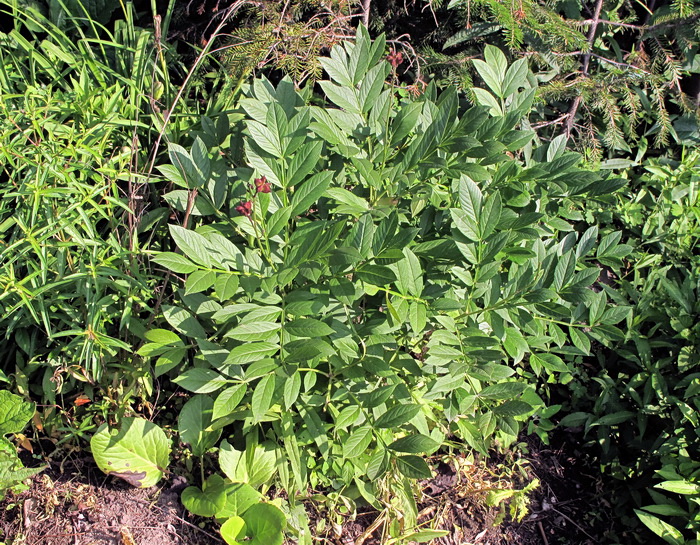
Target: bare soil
(73, 503)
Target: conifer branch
(586, 60)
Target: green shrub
(380, 276)
(642, 406)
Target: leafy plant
(380, 277)
(73, 288)
(612, 74)
(15, 414)
(641, 406)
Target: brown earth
(75, 504)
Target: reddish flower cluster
(262, 185)
(395, 58)
(245, 208)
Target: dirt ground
(75, 504)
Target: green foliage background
(349, 269)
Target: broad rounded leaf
(138, 452)
(239, 497)
(233, 530)
(207, 502)
(264, 524)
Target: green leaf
(413, 467)
(414, 444)
(233, 530)
(200, 381)
(397, 415)
(228, 400)
(239, 497)
(292, 387)
(175, 262)
(225, 286)
(207, 502)
(343, 97)
(564, 270)
(372, 85)
(192, 245)
(254, 331)
(513, 408)
(169, 360)
(503, 390)
(679, 487)
(337, 71)
(378, 464)
(15, 413)
(308, 327)
(470, 198)
(180, 199)
(254, 467)
(490, 76)
(490, 215)
(409, 277)
(357, 443)
(263, 397)
(348, 416)
(232, 462)
(405, 121)
(484, 98)
(163, 336)
(551, 362)
(377, 275)
(277, 221)
(614, 418)
(251, 351)
(183, 321)
(261, 464)
(417, 317)
(182, 159)
(515, 344)
(466, 225)
(265, 138)
(194, 424)
(138, 452)
(662, 529)
(199, 281)
(574, 419)
(426, 536)
(516, 77)
(265, 524)
(310, 191)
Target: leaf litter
(80, 506)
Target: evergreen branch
(584, 68)
(619, 64)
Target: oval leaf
(138, 452)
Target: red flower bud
(262, 185)
(395, 58)
(245, 208)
